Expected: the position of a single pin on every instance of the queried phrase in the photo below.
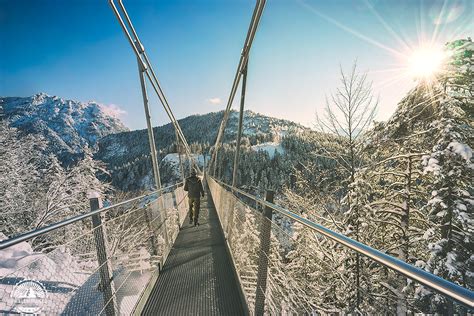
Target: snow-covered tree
(349, 112)
(449, 171)
(20, 178)
(451, 205)
(37, 191)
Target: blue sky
(76, 50)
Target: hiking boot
(196, 223)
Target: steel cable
(257, 13)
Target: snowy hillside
(256, 124)
(127, 153)
(173, 159)
(202, 129)
(66, 282)
(68, 125)
(270, 148)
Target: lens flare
(425, 62)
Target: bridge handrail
(38, 232)
(426, 278)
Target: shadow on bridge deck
(197, 278)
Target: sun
(425, 62)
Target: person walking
(195, 190)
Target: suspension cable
(145, 63)
(257, 13)
(149, 64)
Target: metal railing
(245, 218)
(95, 263)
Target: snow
(270, 148)
(67, 283)
(428, 233)
(173, 160)
(57, 272)
(432, 165)
(68, 125)
(255, 124)
(461, 149)
(93, 194)
(420, 264)
(451, 262)
(115, 150)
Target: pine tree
(451, 207)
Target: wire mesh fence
(308, 273)
(100, 264)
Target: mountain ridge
(199, 128)
(69, 126)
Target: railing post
(214, 162)
(265, 234)
(105, 271)
(175, 206)
(152, 236)
(178, 149)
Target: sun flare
(425, 62)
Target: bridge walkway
(197, 278)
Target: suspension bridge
(140, 256)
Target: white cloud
(215, 101)
(113, 110)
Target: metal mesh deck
(197, 278)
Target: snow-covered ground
(270, 148)
(173, 159)
(67, 286)
(57, 272)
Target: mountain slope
(127, 153)
(120, 148)
(67, 125)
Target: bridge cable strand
(242, 63)
(164, 100)
(145, 64)
(154, 78)
(154, 81)
(257, 13)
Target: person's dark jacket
(194, 187)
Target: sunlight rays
(352, 31)
(387, 70)
(391, 80)
(387, 27)
(418, 60)
(438, 22)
